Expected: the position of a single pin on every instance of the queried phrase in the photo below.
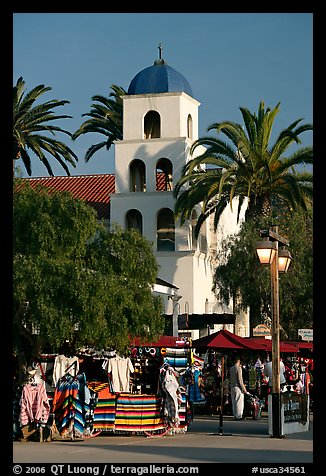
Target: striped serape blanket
(138, 413)
(104, 412)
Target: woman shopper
(238, 390)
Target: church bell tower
(160, 123)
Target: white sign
(306, 334)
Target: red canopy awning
(224, 340)
(266, 344)
(303, 344)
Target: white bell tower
(160, 123)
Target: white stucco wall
(172, 107)
(150, 152)
(193, 276)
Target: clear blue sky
(230, 60)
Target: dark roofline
(165, 283)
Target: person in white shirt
(268, 372)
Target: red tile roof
(94, 189)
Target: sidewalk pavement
(244, 441)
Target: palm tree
(30, 119)
(106, 119)
(246, 167)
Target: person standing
(268, 372)
(238, 390)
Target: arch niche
(165, 230)
(134, 220)
(164, 170)
(137, 176)
(152, 125)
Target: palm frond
(29, 119)
(247, 167)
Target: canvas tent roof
(224, 339)
(266, 344)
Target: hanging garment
(89, 413)
(195, 389)
(34, 404)
(119, 370)
(171, 393)
(62, 365)
(44, 373)
(81, 405)
(70, 404)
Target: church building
(160, 123)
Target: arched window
(152, 125)
(189, 127)
(165, 230)
(164, 175)
(134, 220)
(137, 176)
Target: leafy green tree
(246, 167)
(106, 118)
(77, 281)
(30, 120)
(127, 257)
(240, 273)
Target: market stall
(141, 392)
(255, 351)
(157, 397)
(218, 348)
(100, 391)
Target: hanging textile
(70, 404)
(138, 413)
(34, 404)
(89, 413)
(195, 385)
(169, 387)
(62, 365)
(119, 370)
(104, 411)
(44, 373)
(184, 411)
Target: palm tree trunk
(259, 207)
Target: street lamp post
(279, 261)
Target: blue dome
(159, 78)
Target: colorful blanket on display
(104, 412)
(70, 404)
(177, 358)
(138, 413)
